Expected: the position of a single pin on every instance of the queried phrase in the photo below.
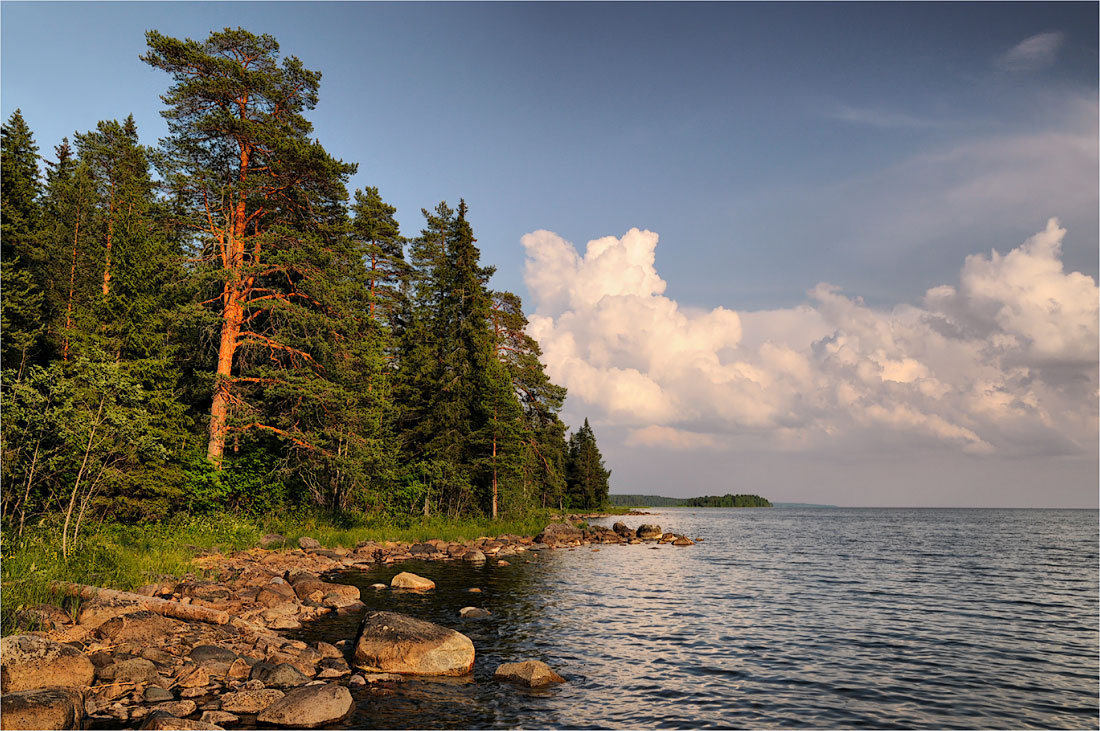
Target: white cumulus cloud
(1004, 361)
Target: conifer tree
(265, 205)
(587, 478)
(20, 265)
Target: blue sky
(771, 146)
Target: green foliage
(587, 478)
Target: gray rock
(203, 654)
(179, 709)
(273, 540)
(306, 543)
(621, 529)
(474, 556)
(282, 675)
(533, 673)
(28, 662)
(250, 701)
(648, 531)
(154, 694)
(135, 670)
(309, 707)
(218, 717)
(142, 627)
(394, 643)
(557, 533)
(44, 708)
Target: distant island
(706, 501)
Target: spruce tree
(587, 478)
(20, 261)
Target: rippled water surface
(779, 618)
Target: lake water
(830, 618)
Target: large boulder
(28, 662)
(309, 707)
(406, 580)
(648, 531)
(98, 610)
(533, 673)
(44, 708)
(394, 643)
(557, 533)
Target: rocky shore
(207, 651)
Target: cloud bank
(1002, 362)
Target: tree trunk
(219, 409)
(162, 607)
(76, 487)
(494, 476)
(110, 238)
(72, 286)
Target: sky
(828, 253)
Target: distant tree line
(707, 501)
(215, 323)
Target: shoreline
(134, 666)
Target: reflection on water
(780, 618)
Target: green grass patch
(126, 557)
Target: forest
(706, 501)
(214, 324)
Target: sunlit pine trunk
(110, 238)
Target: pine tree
(379, 234)
(266, 205)
(587, 478)
(20, 264)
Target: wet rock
(282, 675)
(533, 673)
(406, 580)
(164, 722)
(42, 617)
(474, 556)
(558, 533)
(378, 587)
(306, 543)
(309, 707)
(391, 642)
(135, 670)
(273, 540)
(357, 680)
(502, 562)
(648, 531)
(474, 590)
(683, 541)
(44, 708)
(28, 662)
(179, 709)
(142, 626)
(621, 529)
(250, 701)
(474, 613)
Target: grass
(130, 556)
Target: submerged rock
(164, 722)
(474, 613)
(43, 708)
(406, 580)
(309, 707)
(533, 673)
(28, 662)
(394, 643)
